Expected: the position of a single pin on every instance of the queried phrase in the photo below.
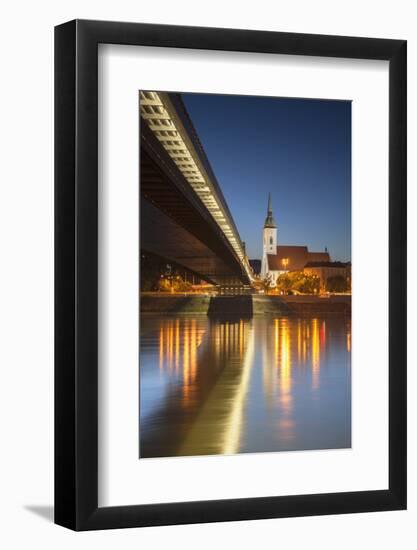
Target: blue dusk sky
(297, 149)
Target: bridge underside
(175, 225)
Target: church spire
(269, 221)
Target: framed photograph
(230, 252)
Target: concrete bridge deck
(184, 216)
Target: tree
(337, 283)
(298, 281)
(165, 284)
(182, 286)
(307, 284)
(285, 283)
(174, 284)
(266, 283)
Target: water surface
(223, 387)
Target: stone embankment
(245, 306)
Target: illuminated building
(278, 259)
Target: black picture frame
(76, 272)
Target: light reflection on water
(226, 387)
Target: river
(264, 384)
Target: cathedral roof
(294, 258)
(269, 220)
(318, 257)
(327, 264)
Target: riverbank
(245, 306)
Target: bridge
(185, 219)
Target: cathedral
(278, 259)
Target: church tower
(269, 238)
